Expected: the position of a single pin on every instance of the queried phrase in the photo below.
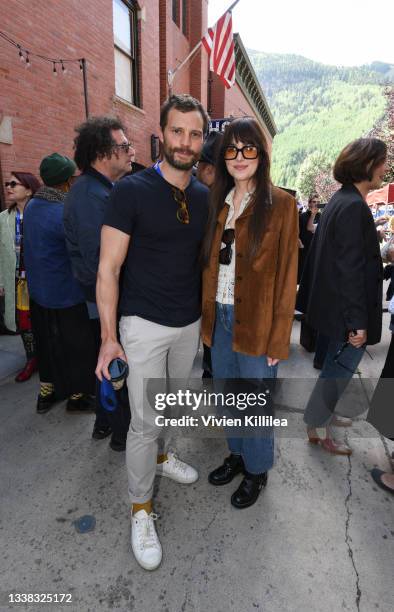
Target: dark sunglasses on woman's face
(12, 184)
(248, 152)
(226, 254)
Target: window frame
(185, 17)
(133, 55)
(176, 12)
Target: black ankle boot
(46, 402)
(249, 490)
(224, 474)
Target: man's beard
(169, 155)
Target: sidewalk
(12, 355)
(320, 537)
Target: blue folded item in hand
(107, 395)
(119, 371)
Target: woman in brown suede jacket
(249, 286)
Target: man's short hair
(94, 140)
(358, 160)
(185, 104)
(313, 196)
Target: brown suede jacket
(265, 289)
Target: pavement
(320, 537)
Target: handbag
(22, 295)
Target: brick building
(128, 48)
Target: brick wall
(44, 109)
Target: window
(126, 51)
(175, 11)
(185, 17)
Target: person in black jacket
(341, 289)
(103, 154)
(308, 224)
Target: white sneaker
(177, 470)
(144, 541)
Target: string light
(25, 54)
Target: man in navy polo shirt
(154, 226)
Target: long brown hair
(248, 131)
(29, 181)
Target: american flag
(219, 44)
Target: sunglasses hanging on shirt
(182, 214)
(226, 254)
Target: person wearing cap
(207, 163)
(65, 343)
(206, 172)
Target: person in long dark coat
(341, 290)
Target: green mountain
(317, 107)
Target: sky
(338, 32)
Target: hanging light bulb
(54, 71)
(21, 56)
(64, 69)
(28, 64)
(80, 64)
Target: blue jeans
(257, 452)
(332, 382)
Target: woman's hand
(358, 339)
(272, 361)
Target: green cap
(56, 169)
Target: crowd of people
(100, 264)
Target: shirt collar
(245, 200)
(100, 177)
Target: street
(320, 537)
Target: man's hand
(109, 350)
(300, 245)
(357, 340)
(272, 361)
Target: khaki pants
(152, 350)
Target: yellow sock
(147, 506)
(162, 458)
(46, 389)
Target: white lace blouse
(226, 280)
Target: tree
(384, 129)
(326, 185)
(315, 164)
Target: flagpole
(171, 73)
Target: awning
(385, 195)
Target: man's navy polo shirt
(162, 275)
